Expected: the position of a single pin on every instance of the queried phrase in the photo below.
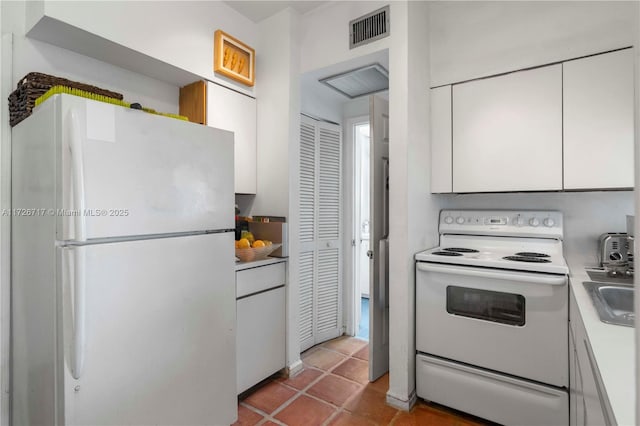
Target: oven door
(506, 321)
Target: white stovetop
(613, 348)
(492, 250)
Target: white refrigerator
(123, 282)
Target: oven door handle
(506, 275)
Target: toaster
(614, 249)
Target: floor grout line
(364, 415)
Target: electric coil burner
(460, 250)
(446, 253)
(491, 317)
(518, 258)
(531, 254)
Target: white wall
(356, 107)
(179, 33)
(413, 218)
(471, 39)
(587, 215)
(320, 104)
(278, 146)
(31, 55)
(324, 35)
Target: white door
(598, 121)
(379, 243)
(114, 160)
(507, 132)
(320, 232)
(159, 332)
(363, 190)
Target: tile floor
(333, 389)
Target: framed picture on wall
(234, 59)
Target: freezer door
(125, 172)
(149, 334)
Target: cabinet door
(193, 102)
(573, 382)
(507, 132)
(591, 402)
(598, 121)
(236, 112)
(260, 342)
(441, 139)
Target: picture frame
(233, 59)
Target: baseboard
(295, 368)
(401, 404)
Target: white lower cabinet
(589, 404)
(260, 334)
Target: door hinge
(370, 254)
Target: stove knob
(460, 220)
(534, 221)
(518, 221)
(549, 222)
(448, 220)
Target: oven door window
(505, 308)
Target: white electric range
(492, 316)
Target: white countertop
(613, 347)
(264, 262)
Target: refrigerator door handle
(77, 165)
(79, 312)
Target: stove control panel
(526, 223)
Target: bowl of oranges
(248, 251)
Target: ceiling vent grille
(370, 27)
(360, 81)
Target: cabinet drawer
(249, 281)
(496, 397)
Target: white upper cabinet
(598, 121)
(441, 139)
(507, 132)
(230, 110)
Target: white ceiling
(259, 10)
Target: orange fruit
(244, 243)
(258, 243)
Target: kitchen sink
(613, 302)
(599, 274)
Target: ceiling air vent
(360, 81)
(370, 27)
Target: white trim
(6, 83)
(400, 403)
(295, 368)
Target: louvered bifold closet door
(328, 318)
(320, 226)
(307, 235)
